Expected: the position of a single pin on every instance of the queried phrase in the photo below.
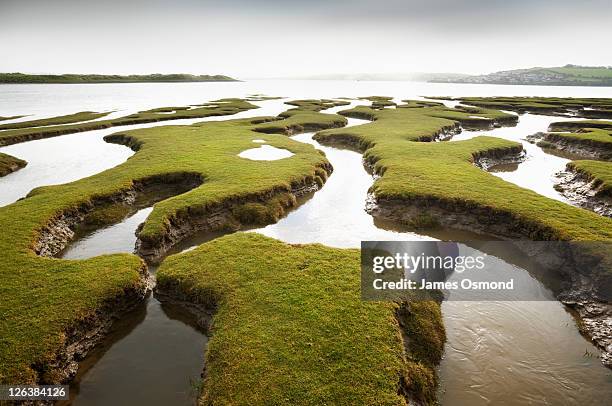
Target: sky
(290, 38)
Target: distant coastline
(568, 75)
(15, 78)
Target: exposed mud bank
(87, 332)
(587, 148)
(60, 230)
(583, 191)
(595, 322)
(261, 209)
(506, 156)
(9, 164)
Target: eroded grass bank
(55, 310)
(591, 139)
(588, 184)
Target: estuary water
(514, 353)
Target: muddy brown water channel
(502, 353)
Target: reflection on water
(113, 239)
(153, 356)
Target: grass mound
(10, 164)
(380, 102)
(291, 328)
(46, 302)
(67, 119)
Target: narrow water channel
(154, 343)
(517, 353)
(537, 171)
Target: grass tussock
(305, 117)
(10, 164)
(290, 326)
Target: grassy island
(77, 78)
(291, 328)
(444, 174)
(10, 118)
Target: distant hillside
(75, 78)
(568, 75)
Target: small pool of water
(265, 153)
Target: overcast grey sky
(268, 38)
